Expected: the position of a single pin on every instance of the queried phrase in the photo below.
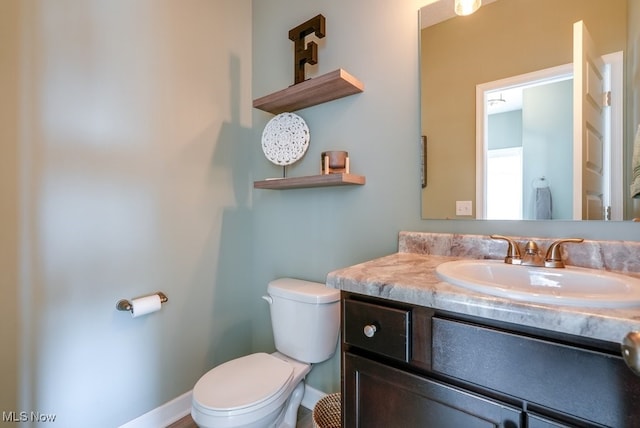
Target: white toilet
(265, 390)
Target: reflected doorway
(504, 184)
(534, 113)
(533, 118)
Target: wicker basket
(327, 412)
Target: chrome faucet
(532, 257)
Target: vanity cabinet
(380, 395)
(410, 366)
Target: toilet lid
(242, 382)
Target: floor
(304, 420)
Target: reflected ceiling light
(495, 101)
(466, 7)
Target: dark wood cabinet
(381, 396)
(535, 421)
(409, 366)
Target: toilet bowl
(256, 392)
(265, 390)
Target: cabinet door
(535, 421)
(585, 385)
(376, 395)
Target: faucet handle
(513, 256)
(554, 256)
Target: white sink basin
(572, 286)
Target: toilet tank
(305, 317)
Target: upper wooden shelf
(317, 90)
(324, 180)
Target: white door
(588, 127)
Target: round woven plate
(285, 139)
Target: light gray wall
(133, 171)
(548, 146)
(505, 130)
(306, 233)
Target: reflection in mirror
(526, 122)
(463, 54)
(524, 145)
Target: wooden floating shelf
(324, 180)
(317, 90)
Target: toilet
(264, 390)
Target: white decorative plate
(285, 139)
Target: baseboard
(180, 407)
(164, 415)
(311, 397)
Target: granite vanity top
(409, 276)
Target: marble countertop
(410, 278)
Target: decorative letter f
(306, 54)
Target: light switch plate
(464, 208)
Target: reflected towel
(635, 167)
(543, 203)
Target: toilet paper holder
(125, 305)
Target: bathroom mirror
(504, 41)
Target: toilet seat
(242, 385)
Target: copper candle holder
(335, 162)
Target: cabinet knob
(370, 330)
(631, 351)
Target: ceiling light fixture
(495, 101)
(466, 7)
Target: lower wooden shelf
(325, 180)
